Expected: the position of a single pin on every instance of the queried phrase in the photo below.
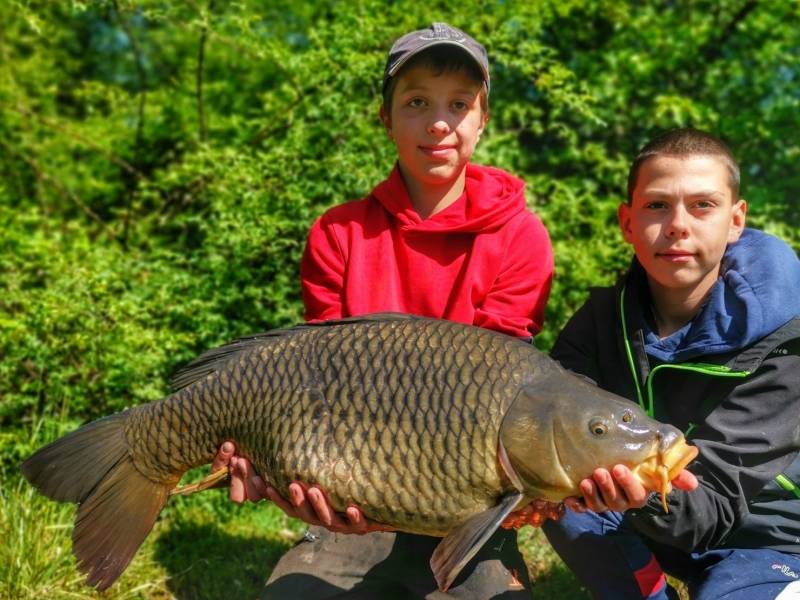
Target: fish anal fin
(462, 543)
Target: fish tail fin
(118, 505)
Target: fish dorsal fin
(463, 542)
(212, 360)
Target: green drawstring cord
(788, 484)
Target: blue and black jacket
(730, 378)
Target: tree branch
(201, 55)
(712, 50)
(59, 185)
(117, 160)
(141, 76)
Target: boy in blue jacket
(704, 332)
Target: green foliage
(161, 162)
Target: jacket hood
(758, 291)
(491, 197)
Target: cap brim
(409, 55)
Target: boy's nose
(678, 224)
(438, 127)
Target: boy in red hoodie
(440, 238)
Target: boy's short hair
(681, 143)
(443, 49)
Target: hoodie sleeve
(745, 442)
(322, 273)
(516, 301)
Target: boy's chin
(443, 174)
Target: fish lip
(674, 458)
(677, 456)
(657, 470)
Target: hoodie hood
(758, 291)
(491, 197)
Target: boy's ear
(386, 120)
(484, 122)
(624, 220)
(737, 220)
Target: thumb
(223, 457)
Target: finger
(297, 496)
(237, 492)
(359, 523)
(685, 480)
(357, 520)
(323, 511)
(606, 488)
(633, 493)
(261, 487)
(223, 457)
(591, 496)
(249, 475)
(281, 502)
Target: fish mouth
(658, 470)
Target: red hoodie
(484, 260)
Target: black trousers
(393, 566)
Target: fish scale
(410, 411)
(429, 426)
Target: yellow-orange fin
(213, 479)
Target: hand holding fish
(307, 504)
(620, 490)
(312, 506)
(245, 484)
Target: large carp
(430, 426)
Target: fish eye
(598, 428)
(627, 417)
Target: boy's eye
(704, 204)
(416, 102)
(655, 205)
(460, 105)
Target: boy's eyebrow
(706, 193)
(668, 194)
(425, 88)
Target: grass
(552, 580)
(202, 547)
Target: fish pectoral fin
(462, 543)
(215, 479)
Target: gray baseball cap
(438, 34)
